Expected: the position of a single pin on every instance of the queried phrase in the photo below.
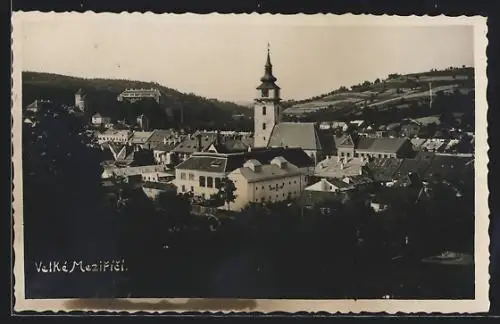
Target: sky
(224, 59)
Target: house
(330, 185)
(410, 128)
(339, 167)
(199, 142)
(384, 170)
(97, 119)
(114, 136)
(139, 139)
(202, 172)
(38, 105)
(277, 181)
(134, 95)
(360, 146)
(158, 176)
(303, 135)
(132, 173)
(163, 152)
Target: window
(264, 110)
(183, 176)
(262, 187)
(210, 182)
(192, 189)
(356, 155)
(265, 93)
(202, 181)
(256, 188)
(191, 176)
(294, 181)
(263, 125)
(183, 188)
(217, 183)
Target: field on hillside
(397, 92)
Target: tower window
(265, 93)
(264, 110)
(263, 125)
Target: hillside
(396, 92)
(195, 111)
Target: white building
(114, 136)
(157, 176)
(274, 182)
(202, 172)
(133, 172)
(97, 119)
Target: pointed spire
(268, 70)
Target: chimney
(249, 149)
(199, 142)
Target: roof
(204, 163)
(268, 171)
(131, 171)
(383, 145)
(190, 144)
(448, 166)
(164, 147)
(96, 115)
(158, 135)
(228, 145)
(335, 168)
(344, 141)
(116, 132)
(227, 162)
(140, 137)
(303, 135)
(309, 197)
(383, 169)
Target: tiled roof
(448, 166)
(303, 135)
(131, 171)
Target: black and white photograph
(291, 163)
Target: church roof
(303, 135)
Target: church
(270, 131)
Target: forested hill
(196, 110)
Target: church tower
(267, 105)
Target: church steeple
(268, 69)
(267, 110)
(268, 80)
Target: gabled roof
(384, 169)
(383, 145)
(303, 135)
(140, 137)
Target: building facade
(274, 182)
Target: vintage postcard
(250, 163)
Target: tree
(225, 194)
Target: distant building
(132, 173)
(81, 100)
(354, 146)
(134, 95)
(97, 119)
(277, 181)
(143, 122)
(158, 176)
(340, 167)
(38, 105)
(139, 139)
(114, 136)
